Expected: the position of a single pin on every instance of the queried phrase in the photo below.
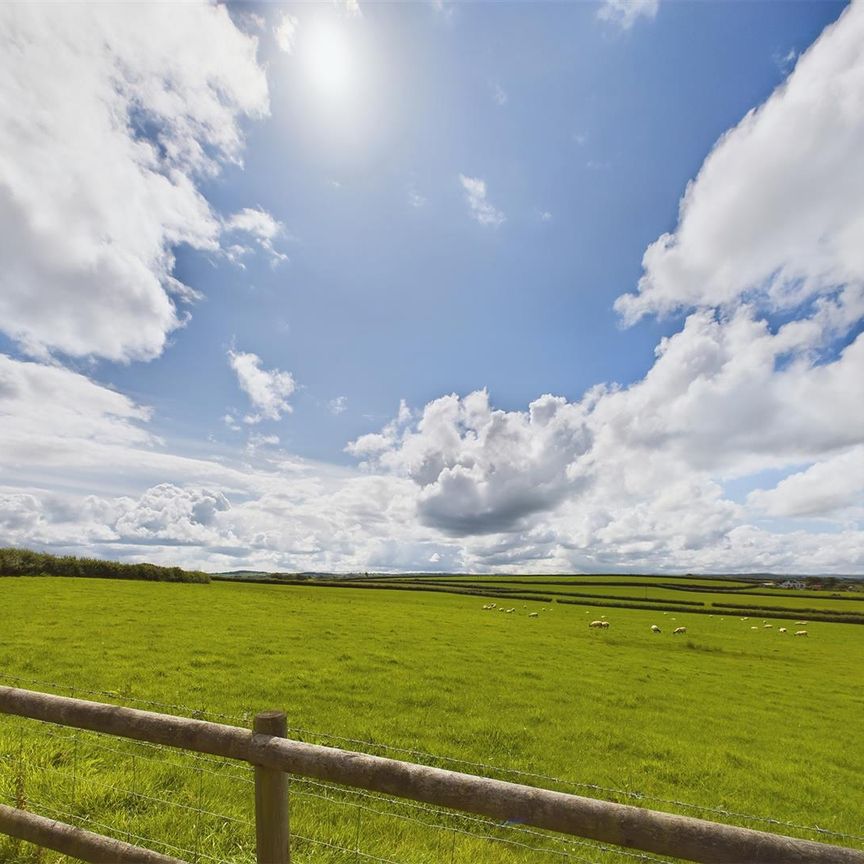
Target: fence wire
(200, 808)
(217, 767)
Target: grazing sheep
(754, 627)
(533, 614)
(745, 619)
(655, 628)
(679, 630)
(605, 624)
(596, 624)
(800, 632)
(782, 630)
(802, 622)
(767, 625)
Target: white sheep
(800, 632)
(655, 628)
(533, 614)
(679, 630)
(782, 630)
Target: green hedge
(23, 562)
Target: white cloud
(625, 13)
(624, 478)
(170, 514)
(61, 430)
(268, 389)
(824, 489)
(499, 94)
(481, 210)
(545, 216)
(352, 8)
(91, 207)
(285, 32)
(716, 399)
(775, 212)
(259, 224)
(480, 470)
(560, 486)
(339, 405)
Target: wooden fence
(274, 756)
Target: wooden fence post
(271, 798)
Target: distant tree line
(23, 562)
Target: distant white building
(793, 583)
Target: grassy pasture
(659, 593)
(752, 721)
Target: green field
(750, 721)
(658, 593)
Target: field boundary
(681, 606)
(274, 756)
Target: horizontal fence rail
(618, 824)
(75, 842)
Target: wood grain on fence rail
(75, 842)
(619, 824)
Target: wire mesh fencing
(200, 808)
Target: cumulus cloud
(481, 210)
(719, 399)
(91, 204)
(625, 13)
(268, 389)
(559, 486)
(482, 470)
(170, 514)
(623, 478)
(775, 213)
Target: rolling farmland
(749, 721)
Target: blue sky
(449, 198)
(381, 300)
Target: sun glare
(328, 59)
